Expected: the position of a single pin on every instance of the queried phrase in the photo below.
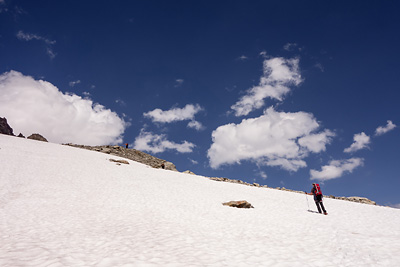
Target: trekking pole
(308, 205)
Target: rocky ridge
(5, 128)
(131, 154)
(352, 199)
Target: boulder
(189, 172)
(119, 161)
(106, 150)
(5, 128)
(238, 204)
(21, 135)
(169, 166)
(37, 137)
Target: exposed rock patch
(243, 204)
(5, 128)
(119, 161)
(131, 154)
(37, 137)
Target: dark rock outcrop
(119, 161)
(37, 137)
(243, 204)
(131, 154)
(5, 128)
(21, 135)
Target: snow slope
(63, 206)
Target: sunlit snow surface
(63, 206)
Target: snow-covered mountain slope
(63, 206)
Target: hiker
(126, 145)
(316, 191)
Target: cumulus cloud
(361, 141)
(155, 143)
(177, 114)
(29, 37)
(384, 129)
(174, 114)
(278, 74)
(37, 106)
(316, 142)
(195, 125)
(274, 139)
(336, 169)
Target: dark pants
(318, 202)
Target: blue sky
(279, 93)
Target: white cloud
(279, 73)
(194, 162)
(37, 106)
(290, 46)
(155, 143)
(274, 139)
(361, 141)
(73, 83)
(195, 125)
(263, 175)
(177, 114)
(336, 169)
(384, 129)
(317, 142)
(29, 37)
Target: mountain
(65, 206)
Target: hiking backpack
(317, 190)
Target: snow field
(63, 206)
